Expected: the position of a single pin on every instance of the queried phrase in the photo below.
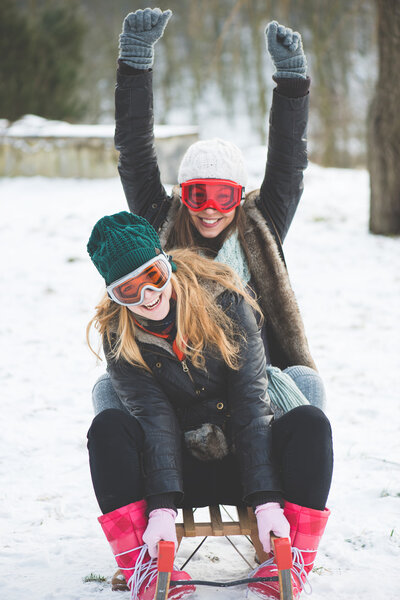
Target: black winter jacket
(172, 400)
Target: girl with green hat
(185, 355)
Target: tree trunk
(384, 125)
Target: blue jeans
(104, 396)
(309, 383)
(307, 380)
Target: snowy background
(348, 286)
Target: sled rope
(244, 581)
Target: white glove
(270, 519)
(161, 526)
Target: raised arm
(282, 186)
(134, 119)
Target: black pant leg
(302, 445)
(303, 454)
(115, 440)
(210, 482)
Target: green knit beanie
(121, 243)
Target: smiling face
(210, 222)
(155, 305)
(217, 199)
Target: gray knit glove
(140, 31)
(286, 50)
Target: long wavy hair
(201, 322)
(183, 233)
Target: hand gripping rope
(283, 559)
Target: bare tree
(384, 125)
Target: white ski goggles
(154, 275)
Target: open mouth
(153, 305)
(209, 221)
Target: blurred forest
(211, 61)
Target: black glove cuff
(293, 87)
(166, 500)
(125, 69)
(263, 497)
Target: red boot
(306, 529)
(124, 528)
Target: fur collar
(277, 299)
(143, 337)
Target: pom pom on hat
(121, 243)
(213, 159)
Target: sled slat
(246, 525)
(261, 555)
(244, 520)
(216, 520)
(188, 520)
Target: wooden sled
(245, 525)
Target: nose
(148, 295)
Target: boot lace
(144, 569)
(297, 570)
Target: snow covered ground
(348, 286)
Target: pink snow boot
(306, 529)
(124, 528)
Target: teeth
(210, 221)
(153, 303)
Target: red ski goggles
(221, 194)
(153, 275)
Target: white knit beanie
(213, 159)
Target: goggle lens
(154, 276)
(220, 194)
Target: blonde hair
(200, 321)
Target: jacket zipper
(184, 365)
(185, 369)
